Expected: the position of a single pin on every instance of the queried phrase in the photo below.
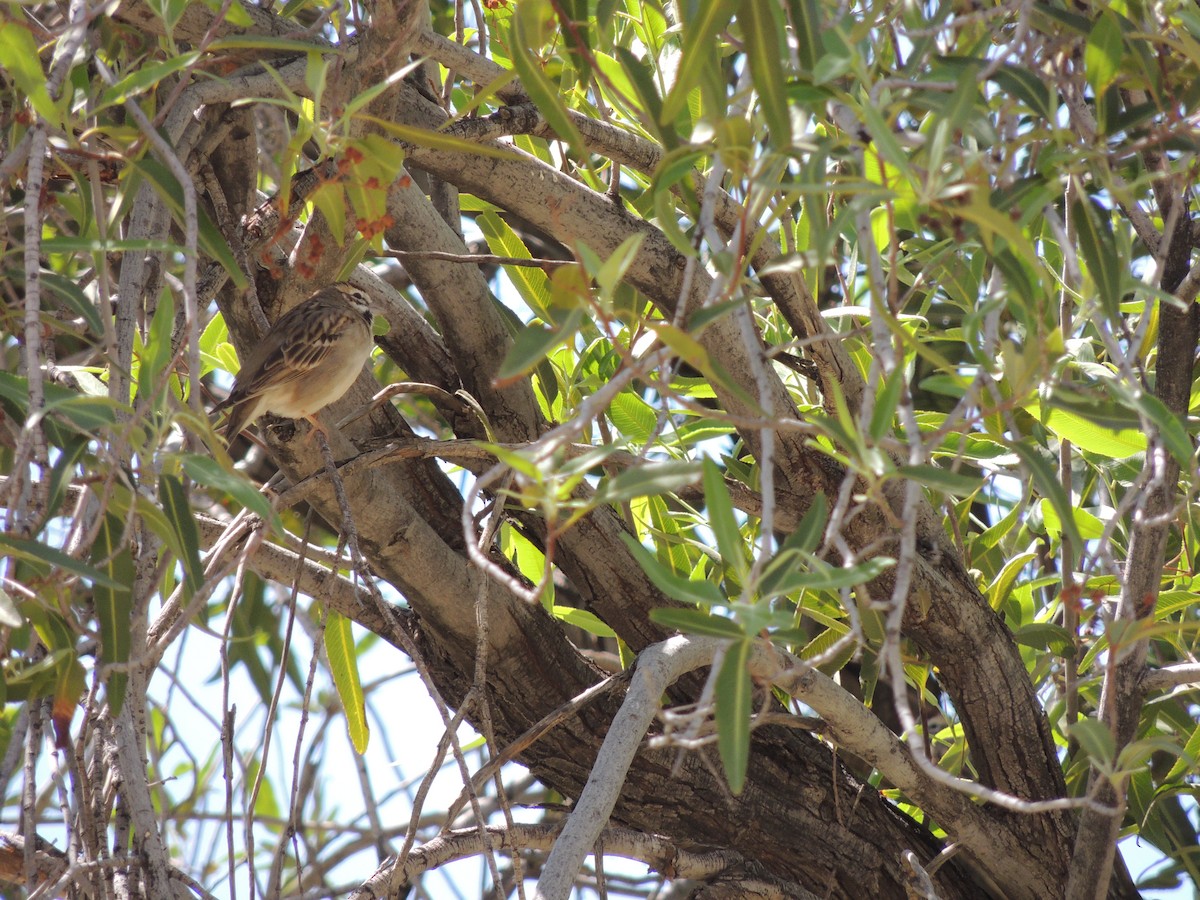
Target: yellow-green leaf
(19, 56)
(343, 665)
(1102, 54)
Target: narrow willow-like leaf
(644, 480)
(37, 552)
(1089, 526)
(806, 21)
(1093, 431)
(209, 237)
(179, 513)
(719, 507)
(114, 605)
(581, 618)
(1050, 487)
(532, 284)
(695, 621)
(534, 343)
(823, 577)
(343, 665)
(733, 714)
(143, 79)
(700, 34)
(70, 294)
(542, 92)
(633, 417)
(1102, 53)
(763, 32)
(885, 404)
(952, 483)
(1100, 252)
(205, 471)
(1170, 428)
(1096, 740)
(702, 593)
(19, 56)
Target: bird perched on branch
(308, 359)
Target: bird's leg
(316, 426)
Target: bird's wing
(282, 358)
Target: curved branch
(654, 850)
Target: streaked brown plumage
(308, 359)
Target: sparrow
(307, 360)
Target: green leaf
(1088, 525)
(701, 593)
(1093, 433)
(35, 551)
(212, 242)
(1188, 759)
(940, 479)
(997, 591)
(267, 42)
(824, 577)
(1102, 54)
(647, 479)
(641, 77)
(1048, 485)
(610, 274)
(577, 39)
(532, 284)
(733, 714)
(805, 16)
(719, 507)
(889, 148)
(527, 22)
(633, 417)
(86, 413)
(19, 56)
(700, 34)
(1099, 251)
(155, 355)
(343, 665)
(886, 402)
(1027, 87)
(330, 200)
(1096, 740)
(143, 79)
(73, 244)
(808, 533)
(1170, 429)
(1044, 636)
(695, 621)
(74, 299)
(764, 33)
(533, 343)
(175, 506)
(581, 618)
(114, 605)
(170, 11)
(266, 803)
(205, 471)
